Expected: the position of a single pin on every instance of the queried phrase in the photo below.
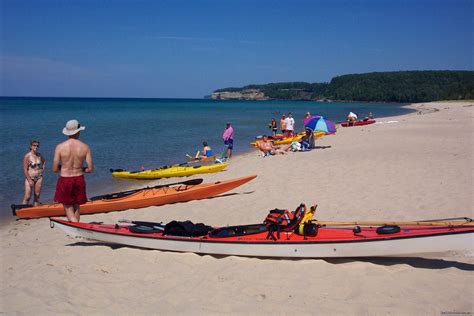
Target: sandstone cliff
(247, 94)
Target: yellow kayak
(168, 172)
(289, 140)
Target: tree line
(399, 86)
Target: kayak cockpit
(242, 230)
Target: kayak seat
(388, 229)
(140, 229)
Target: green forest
(399, 86)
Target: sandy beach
(412, 167)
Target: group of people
(69, 158)
(72, 158)
(287, 125)
(353, 117)
(227, 137)
(266, 146)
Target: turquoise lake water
(130, 133)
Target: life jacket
(283, 220)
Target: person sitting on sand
(307, 141)
(369, 117)
(206, 151)
(351, 118)
(267, 147)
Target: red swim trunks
(71, 190)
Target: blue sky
(187, 49)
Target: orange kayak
(140, 198)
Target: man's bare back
(69, 157)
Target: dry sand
(418, 166)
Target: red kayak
(299, 239)
(359, 123)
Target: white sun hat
(72, 127)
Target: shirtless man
(268, 148)
(69, 157)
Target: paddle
(464, 221)
(138, 171)
(141, 223)
(125, 193)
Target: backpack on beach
(186, 228)
(278, 217)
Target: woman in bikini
(33, 166)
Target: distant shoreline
(395, 86)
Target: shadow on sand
(415, 262)
(322, 147)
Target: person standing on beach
(228, 137)
(290, 125)
(69, 158)
(33, 167)
(273, 126)
(306, 118)
(283, 124)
